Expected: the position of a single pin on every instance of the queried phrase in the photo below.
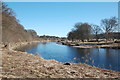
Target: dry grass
(22, 65)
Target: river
(99, 57)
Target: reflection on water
(100, 57)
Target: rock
(66, 63)
(117, 78)
(89, 75)
(106, 73)
(72, 72)
(77, 44)
(117, 42)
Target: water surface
(99, 57)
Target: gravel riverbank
(16, 64)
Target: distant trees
(82, 31)
(47, 37)
(85, 31)
(109, 25)
(96, 30)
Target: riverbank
(16, 64)
(103, 44)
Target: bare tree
(96, 30)
(109, 25)
(7, 10)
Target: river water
(99, 57)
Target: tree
(71, 35)
(32, 32)
(96, 30)
(109, 25)
(81, 32)
(7, 10)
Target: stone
(72, 72)
(66, 63)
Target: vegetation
(96, 30)
(32, 32)
(109, 25)
(46, 37)
(81, 31)
(7, 10)
(12, 30)
(85, 31)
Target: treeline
(12, 30)
(87, 32)
(47, 37)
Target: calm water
(99, 57)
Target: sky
(61, 0)
(58, 18)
